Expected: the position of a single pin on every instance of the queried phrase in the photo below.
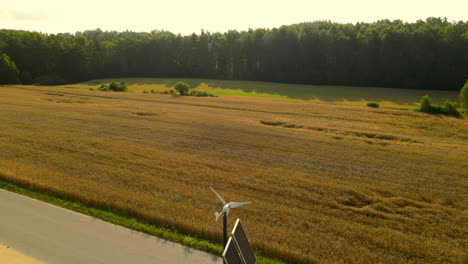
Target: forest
(427, 54)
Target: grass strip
(128, 222)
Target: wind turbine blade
(217, 215)
(219, 196)
(236, 204)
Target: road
(10, 256)
(52, 234)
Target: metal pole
(225, 236)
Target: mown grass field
(359, 96)
(329, 183)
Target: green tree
(9, 73)
(182, 88)
(26, 78)
(427, 54)
(464, 96)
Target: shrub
(113, 86)
(196, 93)
(91, 89)
(103, 88)
(169, 92)
(118, 87)
(464, 96)
(144, 91)
(200, 94)
(123, 86)
(448, 108)
(425, 104)
(373, 104)
(182, 88)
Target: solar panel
(243, 244)
(231, 253)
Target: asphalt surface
(52, 234)
(10, 256)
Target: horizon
(53, 17)
(223, 32)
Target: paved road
(10, 256)
(55, 235)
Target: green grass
(128, 222)
(242, 93)
(386, 97)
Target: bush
(182, 88)
(118, 87)
(425, 104)
(103, 88)
(448, 108)
(169, 92)
(200, 94)
(373, 104)
(451, 108)
(464, 96)
(113, 86)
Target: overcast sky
(188, 16)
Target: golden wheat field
(329, 183)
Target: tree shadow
(194, 83)
(335, 93)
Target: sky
(186, 17)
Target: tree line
(430, 54)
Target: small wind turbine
(227, 206)
(225, 212)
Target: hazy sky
(184, 16)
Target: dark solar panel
(243, 244)
(231, 254)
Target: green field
(387, 97)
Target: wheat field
(329, 183)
